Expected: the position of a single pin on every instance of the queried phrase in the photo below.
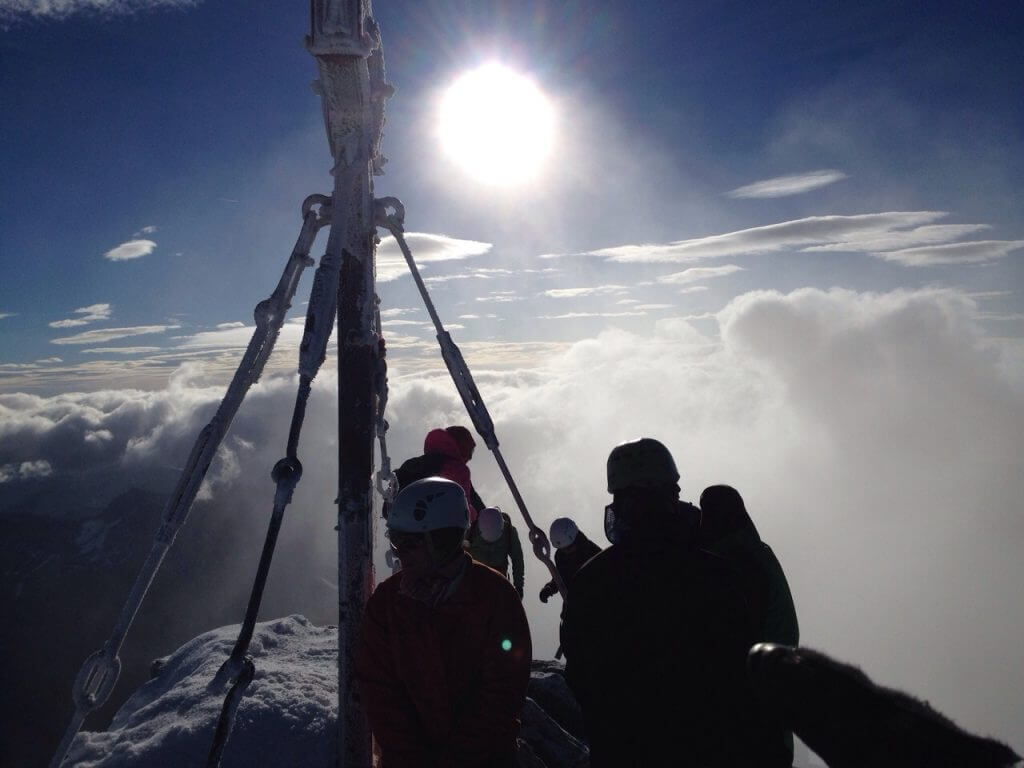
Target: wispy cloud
(595, 290)
(226, 326)
(120, 350)
(89, 314)
(145, 231)
(398, 311)
(953, 253)
(693, 289)
(101, 335)
(500, 297)
(574, 315)
(7, 314)
(11, 10)
(783, 186)
(813, 230)
(426, 248)
(907, 237)
(133, 249)
(697, 274)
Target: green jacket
(767, 589)
(497, 554)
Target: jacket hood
(439, 441)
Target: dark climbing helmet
(641, 463)
(428, 505)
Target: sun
(497, 125)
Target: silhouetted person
(443, 656)
(656, 632)
(727, 530)
(572, 550)
(494, 541)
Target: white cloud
(46, 360)
(61, 9)
(651, 307)
(7, 314)
(873, 436)
(145, 231)
(596, 290)
(932, 233)
(120, 350)
(426, 248)
(109, 334)
(772, 237)
(446, 278)
(226, 326)
(133, 249)
(25, 470)
(693, 289)
(398, 311)
(696, 274)
(574, 315)
(782, 186)
(395, 323)
(953, 253)
(90, 314)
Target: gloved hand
(548, 590)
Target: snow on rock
(289, 710)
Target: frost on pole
(346, 44)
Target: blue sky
(786, 239)
(194, 123)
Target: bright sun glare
(497, 125)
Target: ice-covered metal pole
(346, 44)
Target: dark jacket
(655, 633)
(444, 685)
(764, 584)
(569, 560)
(497, 554)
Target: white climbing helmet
(429, 504)
(491, 524)
(563, 532)
(641, 463)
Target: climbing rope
(100, 671)
(390, 214)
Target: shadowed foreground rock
(851, 722)
(289, 711)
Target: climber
(443, 656)
(656, 631)
(572, 550)
(494, 541)
(727, 530)
(446, 453)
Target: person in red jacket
(443, 655)
(446, 453)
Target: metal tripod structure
(345, 42)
